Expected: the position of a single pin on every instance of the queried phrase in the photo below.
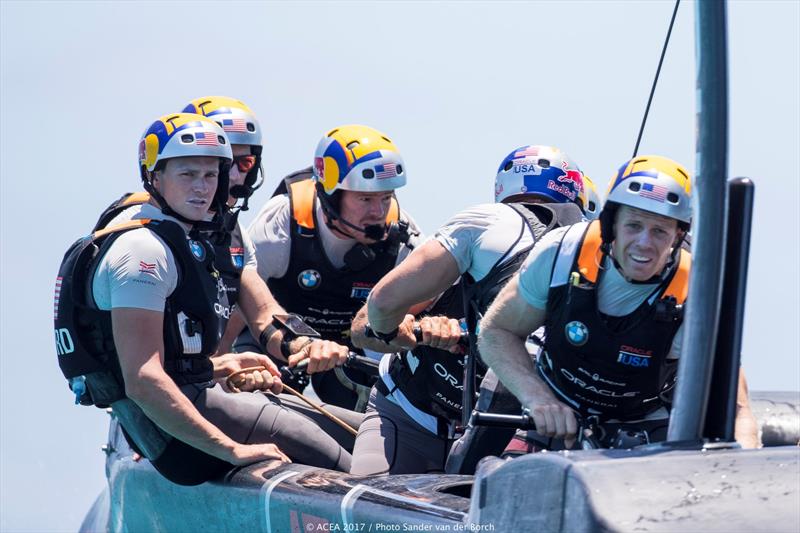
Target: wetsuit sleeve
(250, 260)
(270, 235)
(137, 271)
(461, 234)
(534, 275)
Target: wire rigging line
(655, 81)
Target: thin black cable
(655, 81)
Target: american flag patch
(205, 138)
(528, 150)
(147, 268)
(389, 170)
(57, 297)
(654, 192)
(235, 125)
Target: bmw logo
(309, 279)
(577, 333)
(197, 250)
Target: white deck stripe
(266, 492)
(349, 500)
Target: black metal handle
(505, 421)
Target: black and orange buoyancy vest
(326, 297)
(615, 367)
(84, 337)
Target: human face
(236, 176)
(643, 242)
(188, 185)
(363, 209)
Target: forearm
(505, 353)
(358, 334)
(503, 331)
(425, 274)
(382, 314)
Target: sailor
(337, 230)
(610, 295)
(419, 399)
(138, 315)
(236, 258)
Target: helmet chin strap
(245, 191)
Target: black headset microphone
(360, 256)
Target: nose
(643, 240)
(235, 176)
(377, 209)
(199, 184)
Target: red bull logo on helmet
(319, 166)
(571, 176)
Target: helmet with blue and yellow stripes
(592, 203)
(652, 183)
(358, 158)
(184, 135)
(242, 128)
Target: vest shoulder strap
(394, 212)
(567, 251)
(136, 198)
(118, 206)
(301, 200)
(590, 254)
(678, 288)
(125, 226)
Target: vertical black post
(724, 380)
(687, 419)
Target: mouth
(197, 202)
(640, 259)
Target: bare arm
(746, 429)
(504, 329)
(425, 274)
(138, 335)
(360, 340)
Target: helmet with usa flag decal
(184, 135)
(242, 128)
(358, 158)
(539, 172)
(652, 183)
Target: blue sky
(456, 85)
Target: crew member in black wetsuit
(337, 230)
(419, 399)
(610, 295)
(236, 257)
(138, 316)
